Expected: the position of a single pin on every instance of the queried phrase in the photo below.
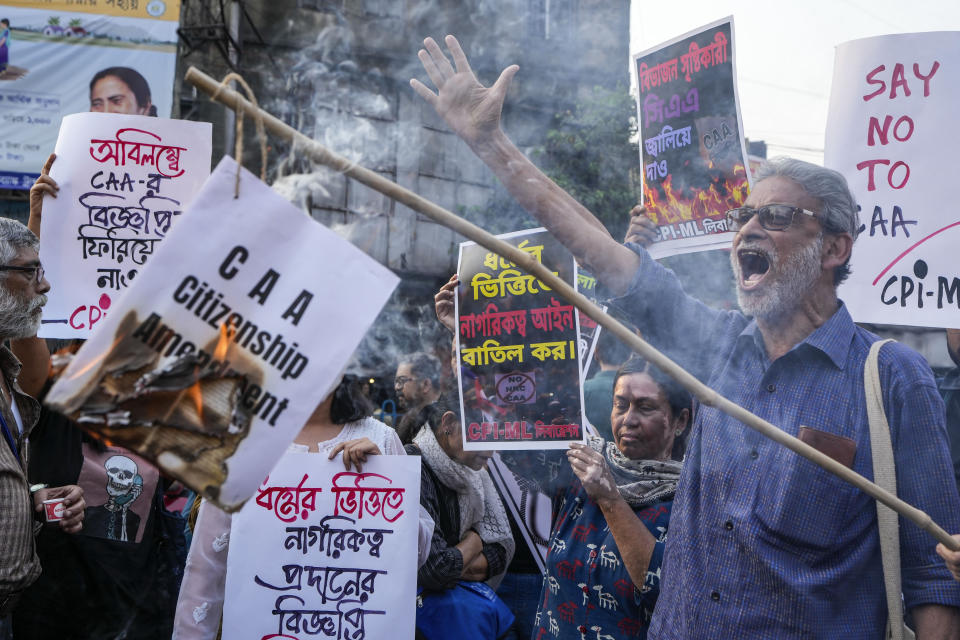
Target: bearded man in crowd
(22, 296)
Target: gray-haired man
(763, 544)
(22, 296)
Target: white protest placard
(125, 181)
(326, 552)
(892, 133)
(227, 341)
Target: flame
(195, 391)
(668, 205)
(94, 362)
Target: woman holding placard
(341, 424)
(472, 543)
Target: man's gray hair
(839, 214)
(13, 237)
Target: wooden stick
(527, 262)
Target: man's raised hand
(469, 108)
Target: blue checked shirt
(763, 543)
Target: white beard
(789, 284)
(19, 317)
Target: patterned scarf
(480, 506)
(641, 482)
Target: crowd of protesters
(677, 521)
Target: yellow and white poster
(69, 56)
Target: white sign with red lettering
(321, 551)
(892, 133)
(125, 182)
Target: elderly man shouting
(763, 544)
(22, 289)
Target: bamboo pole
(528, 263)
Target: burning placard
(323, 551)
(891, 132)
(691, 138)
(519, 371)
(125, 182)
(227, 340)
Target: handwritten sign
(227, 341)
(325, 552)
(517, 347)
(125, 181)
(892, 133)
(692, 147)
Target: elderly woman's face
(644, 426)
(451, 441)
(110, 94)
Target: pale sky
(784, 53)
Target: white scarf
(480, 506)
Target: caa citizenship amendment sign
(54, 49)
(227, 341)
(892, 133)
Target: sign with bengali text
(692, 148)
(891, 131)
(324, 552)
(227, 341)
(517, 343)
(125, 182)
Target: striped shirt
(763, 543)
(19, 565)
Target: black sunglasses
(772, 217)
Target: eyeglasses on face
(36, 270)
(399, 381)
(772, 217)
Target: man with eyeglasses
(417, 384)
(22, 296)
(763, 544)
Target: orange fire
(672, 205)
(195, 391)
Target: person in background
(121, 90)
(417, 384)
(613, 501)
(472, 540)
(949, 386)
(610, 355)
(4, 44)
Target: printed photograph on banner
(228, 339)
(692, 149)
(321, 551)
(891, 130)
(125, 182)
(66, 57)
(518, 364)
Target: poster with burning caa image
(125, 182)
(517, 344)
(227, 340)
(692, 148)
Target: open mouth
(754, 265)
